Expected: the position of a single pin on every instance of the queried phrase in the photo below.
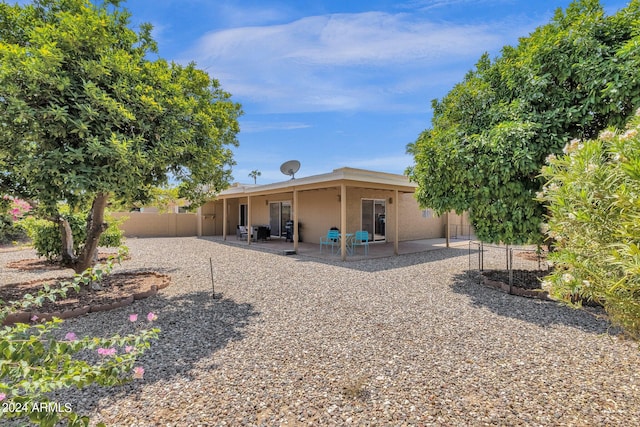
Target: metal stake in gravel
(213, 286)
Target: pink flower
(128, 349)
(70, 336)
(151, 316)
(133, 317)
(18, 207)
(106, 351)
(2, 396)
(138, 372)
(34, 318)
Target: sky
(336, 83)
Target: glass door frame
(378, 223)
(280, 221)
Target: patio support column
(396, 222)
(343, 220)
(249, 233)
(295, 220)
(199, 219)
(224, 219)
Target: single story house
(348, 199)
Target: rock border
(504, 287)
(26, 316)
(103, 257)
(112, 305)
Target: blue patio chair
(361, 239)
(331, 239)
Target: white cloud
(252, 127)
(247, 15)
(337, 62)
(433, 4)
(381, 39)
(371, 38)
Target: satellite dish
(290, 168)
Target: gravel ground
(409, 340)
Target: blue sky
(336, 83)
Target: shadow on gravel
(374, 265)
(541, 313)
(193, 328)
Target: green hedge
(10, 231)
(46, 238)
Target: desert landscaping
(407, 340)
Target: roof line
(341, 174)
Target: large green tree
(491, 133)
(88, 115)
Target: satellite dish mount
(290, 168)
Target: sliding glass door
(279, 214)
(374, 219)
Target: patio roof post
(224, 219)
(343, 220)
(249, 233)
(395, 222)
(295, 220)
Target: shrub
(33, 362)
(593, 197)
(10, 211)
(113, 236)
(10, 231)
(46, 236)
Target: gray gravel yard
(408, 340)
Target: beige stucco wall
(319, 211)
(260, 208)
(141, 224)
(415, 224)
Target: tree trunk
(68, 256)
(95, 226)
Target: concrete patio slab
(376, 250)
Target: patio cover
(341, 178)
